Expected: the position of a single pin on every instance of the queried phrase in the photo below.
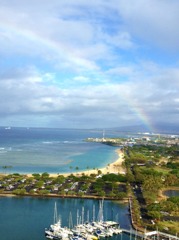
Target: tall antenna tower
(103, 135)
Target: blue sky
(89, 64)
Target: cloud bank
(95, 64)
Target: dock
(154, 235)
(161, 235)
(134, 233)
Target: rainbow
(137, 111)
(141, 114)
(60, 50)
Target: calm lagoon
(38, 150)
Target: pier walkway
(161, 235)
(151, 235)
(133, 232)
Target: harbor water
(25, 218)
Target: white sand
(115, 167)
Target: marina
(84, 229)
(97, 228)
(29, 216)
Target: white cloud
(88, 61)
(154, 21)
(110, 103)
(81, 79)
(60, 32)
(121, 40)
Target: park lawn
(171, 226)
(162, 169)
(159, 169)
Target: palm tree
(6, 167)
(70, 167)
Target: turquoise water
(26, 218)
(52, 150)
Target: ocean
(38, 150)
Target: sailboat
(56, 231)
(83, 230)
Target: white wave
(1, 152)
(74, 142)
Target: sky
(87, 64)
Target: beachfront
(115, 167)
(73, 184)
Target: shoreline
(114, 167)
(10, 195)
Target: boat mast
(88, 216)
(93, 213)
(70, 221)
(55, 213)
(82, 215)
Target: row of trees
(165, 207)
(43, 184)
(153, 176)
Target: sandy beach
(115, 167)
